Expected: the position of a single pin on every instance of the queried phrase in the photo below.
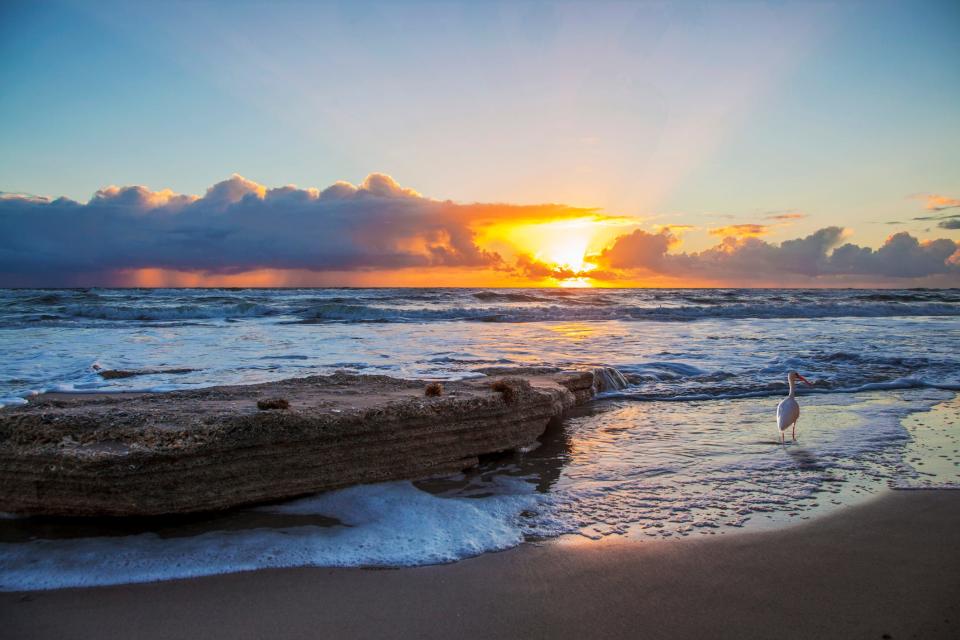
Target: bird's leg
(794, 431)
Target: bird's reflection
(805, 459)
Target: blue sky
(684, 113)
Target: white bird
(788, 411)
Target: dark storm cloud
(239, 225)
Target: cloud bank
(819, 255)
(239, 227)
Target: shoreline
(886, 566)
(61, 553)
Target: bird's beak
(801, 378)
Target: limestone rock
(159, 453)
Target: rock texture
(160, 453)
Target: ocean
(688, 447)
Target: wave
(550, 312)
(429, 305)
(831, 372)
(645, 386)
(736, 393)
(374, 527)
(487, 296)
(206, 311)
(582, 312)
(924, 295)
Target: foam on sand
(390, 524)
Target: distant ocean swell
(342, 311)
(548, 313)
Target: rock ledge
(145, 454)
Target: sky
(480, 144)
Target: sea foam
(390, 524)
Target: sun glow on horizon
(567, 253)
(576, 283)
(560, 245)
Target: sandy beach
(889, 568)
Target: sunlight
(561, 245)
(575, 330)
(567, 251)
(575, 283)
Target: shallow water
(689, 448)
(619, 468)
(663, 469)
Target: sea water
(689, 447)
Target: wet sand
(889, 568)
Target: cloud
(754, 230)
(816, 256)
(239, 225)
(786, 217)
(741, 230)
(901, 256)
(637, 250)
(936, 202)
(527, 266)
(944, 221)
(676, 229)
(141, 198)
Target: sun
(563, 244)
(567, 251)
(575, 283)
(560, 250)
